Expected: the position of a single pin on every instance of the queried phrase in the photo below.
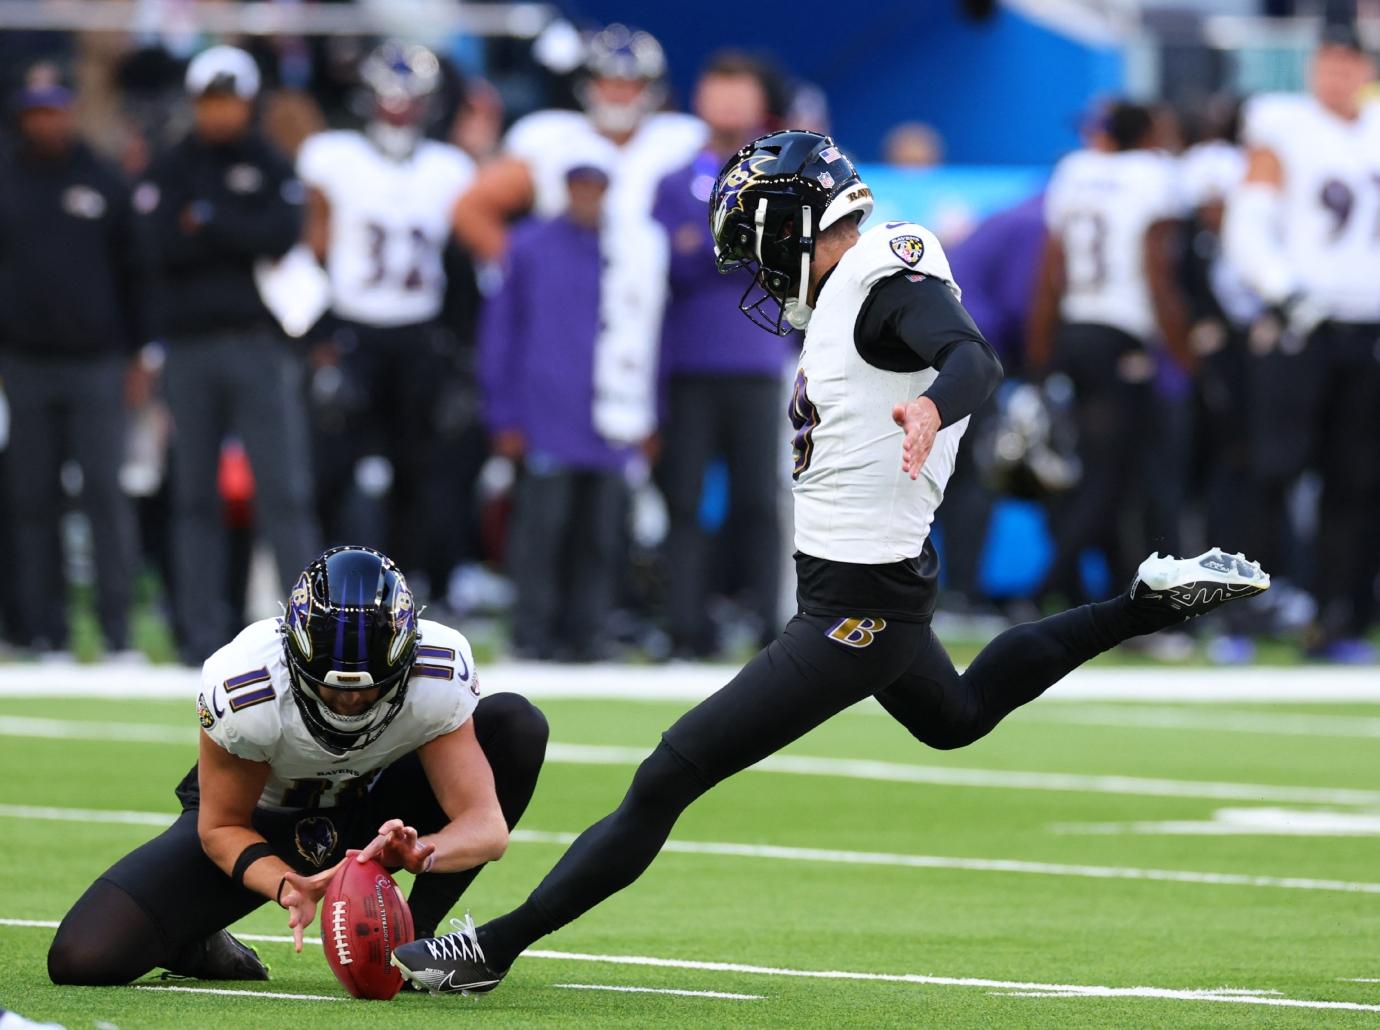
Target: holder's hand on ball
(398, 847)
(299, 895)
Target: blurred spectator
(379, 217)
(723, 373)
(913, 145)
(72, 319)
(478, 125)
(807, 108)
(1301, 230)
(997, 266)
(219, 203)
(537, 352)
(1106, 290)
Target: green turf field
(1026, 881)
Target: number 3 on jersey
(804, 420)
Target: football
(364, 916)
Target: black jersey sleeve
(911, 322)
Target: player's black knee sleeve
(521, 723)
(106, 939)
(513, 733)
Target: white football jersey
(552, 142)
(246, 707)
(853, 503)
(1331, 198)
(390, 221)
(1100, 205)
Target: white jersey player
(846, 509)
(345, 724)
(892, 366)
(1109, 210)
(622, 132)
(386, 222)
(248, 707)
(1304, 231)
(1304, 227)
(382, 201)
(1107, 300)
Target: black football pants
(817, 667)
(166, 895)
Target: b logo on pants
(856, 632)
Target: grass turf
(803, 915)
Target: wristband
(250, 855)
(430, 861)
(278, 897)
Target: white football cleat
(1195, 586)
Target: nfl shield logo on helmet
(909, 249)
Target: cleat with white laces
(451, 964)
(1195, 586)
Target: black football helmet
(401, 82)
(620, 52)
(350, 625)
(768, 202)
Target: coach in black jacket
(219, 203)
(72, 306)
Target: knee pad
(105, 940)
(522, 724)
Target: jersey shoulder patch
(894, 247)
(241, 687)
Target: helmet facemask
(778, 258)
(338, 733)
(350, 626)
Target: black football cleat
(451, 964)
(218, 957)
(1191, 587)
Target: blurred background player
(622, 92)
(537, 341)
(1107, 295)
(723, 379)
(218, 203)
(1301, 229)
(73, 317)
(379, 209)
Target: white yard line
(662, 990)
(1146, 717)
(1230, 995)
(803, 765)
(675, 682)
(226, 992)
(85, 815)
(780, 853)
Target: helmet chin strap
(796, 309)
